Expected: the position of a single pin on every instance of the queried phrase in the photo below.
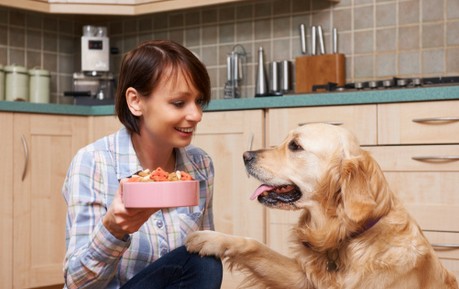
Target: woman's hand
(120, 220)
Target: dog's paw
(207, 243)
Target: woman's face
(171, 113)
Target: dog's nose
(248, 156)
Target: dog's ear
(357, 189)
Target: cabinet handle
(436, 119)
(327, 122)
(26, 153)
(445, 245)
(436, 158)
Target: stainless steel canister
(286, 76)
(16, 83)
(2, 83)
(274, 78)
(39, 83)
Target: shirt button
(159, 224)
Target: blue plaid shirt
(95, 258)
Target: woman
(161, 93)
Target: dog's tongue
(260, 190)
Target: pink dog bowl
(161, 194)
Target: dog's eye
(294, 146)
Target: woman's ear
(134, 101)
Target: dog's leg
(264, 265)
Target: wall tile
(363, 17)
(409, 37)
(409, 64)
(432, 10)
(385, 14)
(433, 62)
(432, 35)
(379, 38)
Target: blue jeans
(179, 269)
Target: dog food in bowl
(160, 189)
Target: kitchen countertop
(293, 100)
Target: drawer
(360, 119)
(446, 246)
(417, 158)
(418, 123)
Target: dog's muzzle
(269, 194)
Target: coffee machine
(94, 84)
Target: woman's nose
(194, 113)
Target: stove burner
(391, 83)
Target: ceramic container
(39, 82)
(16, 83)
(161, 194)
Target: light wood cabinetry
(112, 7)
(6, 203)
(417, 147)
(225, 136)
(419, 153)
(43, 146)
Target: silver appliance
(94, 84)
(95, 49)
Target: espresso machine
(94, 84)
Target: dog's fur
(350, 219)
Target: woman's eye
(200, 101)
(178, 103)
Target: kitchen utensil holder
(319, 70)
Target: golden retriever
(353, 233)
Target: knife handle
(313, 41)
(321, 39)
(303, 39)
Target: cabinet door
(6, 197)
(43, 148)
(225, 136)
(100, 126)
(360, 119)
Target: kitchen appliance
(95, 50)
(94, 84)
(388, 83)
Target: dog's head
(318, 165)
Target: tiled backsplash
(380, 38)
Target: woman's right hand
(120, 220)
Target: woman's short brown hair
(142, 69)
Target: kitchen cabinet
(109, 7)
(225, 136)
(6, 203)
(43, 146)
(417, 147)
(112, 7)
(419, 152)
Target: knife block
(319, 70)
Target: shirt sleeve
(93, 253)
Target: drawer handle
(436, 119)
(445, 245)
(26, 158)
(436, 158)
(327, 122)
